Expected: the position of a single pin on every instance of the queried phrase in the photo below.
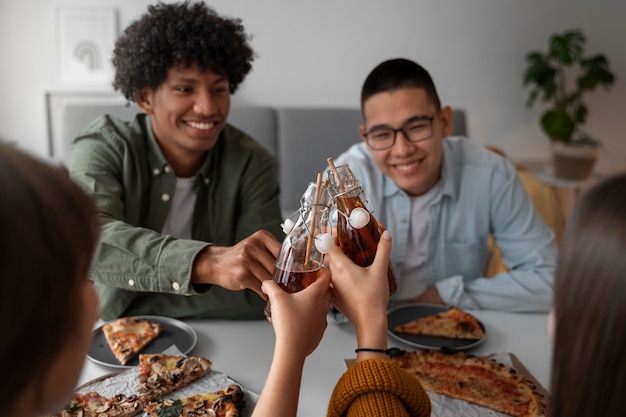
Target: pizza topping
(477, 380)
(127, 336)
(452, 323)
(93, 404)
(226, 403)
(161, 374)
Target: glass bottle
(357, 229)
(307, 239)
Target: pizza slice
(453, 323)
(92, 404)
(480, 381)
(161, 374)
(226, 403)
(127, 336)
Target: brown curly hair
(180, 34)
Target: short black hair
(398, 73)
(180, 34)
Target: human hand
(430, 296)
(244, 265)
(362, 294)
(299, 319)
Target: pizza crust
(453, 323)
(161, 374)
(92, 404)
(127, 336)
(480, 381)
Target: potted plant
(559, 78)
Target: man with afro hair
(189, 205)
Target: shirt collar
(449, 177)
(156, 159)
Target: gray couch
(300, 138)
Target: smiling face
(414, 167)
(187, 111)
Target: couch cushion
(308, 136)
(259, 122)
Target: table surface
(244, 349)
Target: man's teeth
(406, 167)
(202, 126)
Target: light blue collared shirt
(481, 194)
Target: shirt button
(206, 181)
(156, 171)
(165, 197)
(167, 169)
(131, 282)
(176, 286)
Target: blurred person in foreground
(588, 363)
(373, 386)
(442, 197)
(48, 306)
(189, 204)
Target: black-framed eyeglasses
(415, 130)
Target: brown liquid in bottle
(292, 280)
(360, 244)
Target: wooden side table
(567, 191)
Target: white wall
(318, 53)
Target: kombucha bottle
(357, 229)
(301, 255)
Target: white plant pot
(573, 162)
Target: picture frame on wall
(86, 37)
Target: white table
(244, 350)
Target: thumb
(269, 288)
(381, 261)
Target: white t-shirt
(180, 217)
(414, 280)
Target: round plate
(174, 332)
(407, 313)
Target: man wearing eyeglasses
(441, 198)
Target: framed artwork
(86, 36)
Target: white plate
(174, 332)
(407, 313)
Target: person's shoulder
(356, 154)
(238, 145)
(112, 128)
(236, 137)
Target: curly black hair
(180, 34)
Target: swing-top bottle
(357, 229)
(300, 260)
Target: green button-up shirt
(138, 270)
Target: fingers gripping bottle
(307, 239)
(357, 229)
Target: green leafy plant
(559, 77)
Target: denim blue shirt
(481, 195)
